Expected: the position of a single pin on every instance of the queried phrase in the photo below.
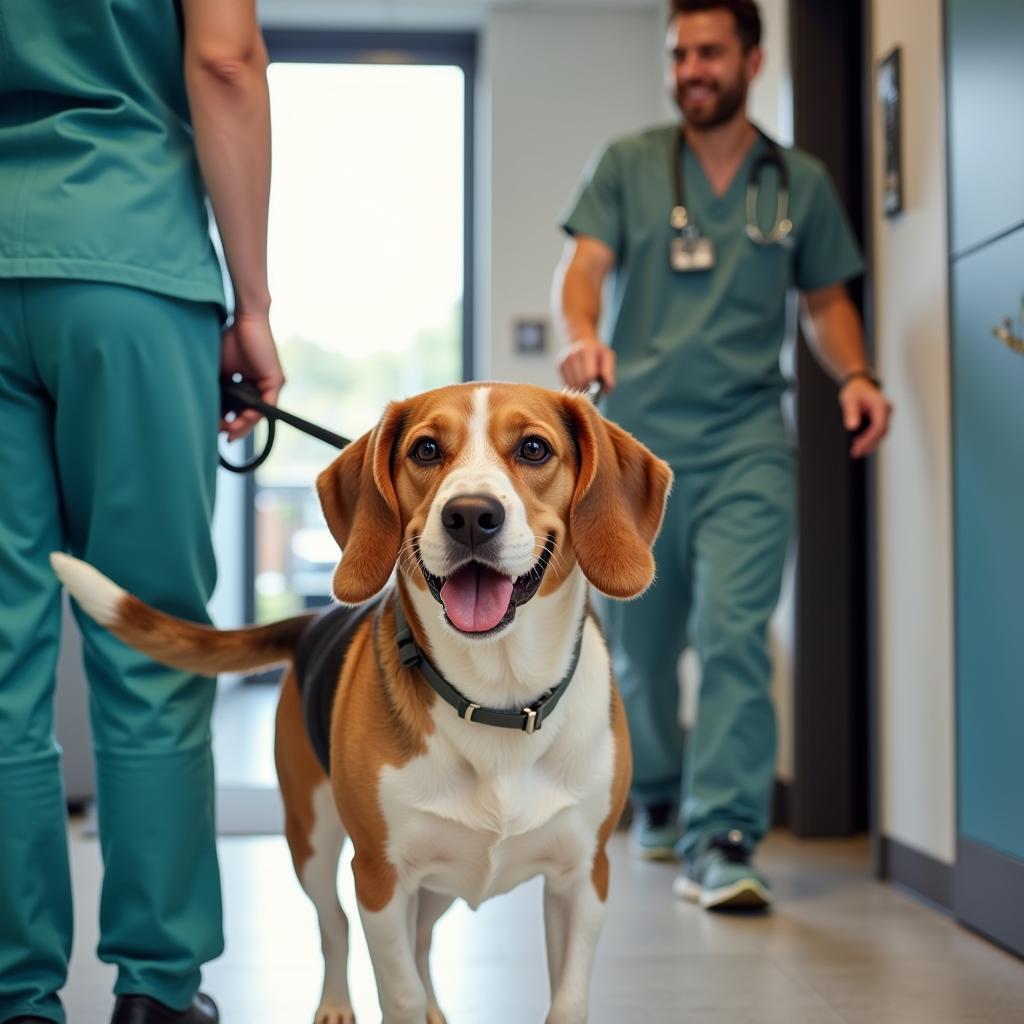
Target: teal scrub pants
(108, 420)
(720, 558)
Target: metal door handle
(1004, 332)
(1007, 337)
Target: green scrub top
(98, 173)
(697, 353)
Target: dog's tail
(176, 642)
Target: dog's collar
(528, 720)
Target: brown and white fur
(438, 807)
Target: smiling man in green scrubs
(701, 267)
(116, 120)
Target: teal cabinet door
(988, 438)
(985, 61)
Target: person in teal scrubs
(117, 119)
(701, 271)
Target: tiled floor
(838, 948)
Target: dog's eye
(533, 449)
(426, 451)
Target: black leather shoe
(143, 1010)
(29, 1020)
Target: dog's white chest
(454, 831)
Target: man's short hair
(745, 13)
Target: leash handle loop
(238, 395)
(248, 467)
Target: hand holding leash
(237, 396)
(248, 350)
(584, 362)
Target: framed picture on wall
(892, 166)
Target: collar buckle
(531, 721)
(408, 652)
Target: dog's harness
(319, 655)
(528, 719)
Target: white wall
(559, 83)
(771, 98)
(914, 470)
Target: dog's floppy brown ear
(357, 494)
(618, 503)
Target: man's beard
(729, 100)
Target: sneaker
(654, 831)
(721, 877)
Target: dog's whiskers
(408, 562)
(555, 556)
(409, 556)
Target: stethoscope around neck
(771, 157)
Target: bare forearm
(231, 117)
(836, 337)
(579, 306)
(577, 301)
(834, 332)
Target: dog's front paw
(334, 1015)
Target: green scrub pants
(108, 420)
(720, 558)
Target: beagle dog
(476, 737)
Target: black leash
(238, 395)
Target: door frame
(834, 732)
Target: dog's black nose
(472, 519)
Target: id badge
(691, 252)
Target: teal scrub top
(98, 174)
(697, 353)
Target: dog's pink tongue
(476, 598)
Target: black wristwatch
(865, 373)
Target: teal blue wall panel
(988, 438)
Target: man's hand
(862, 402)
(248, 348)
(583, 362)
